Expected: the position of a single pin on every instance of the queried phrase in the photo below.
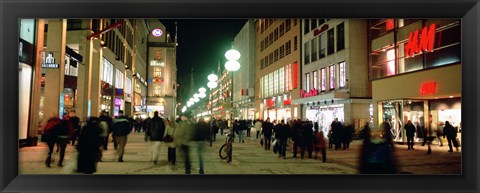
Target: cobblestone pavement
(248, 158)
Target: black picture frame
(11, 11)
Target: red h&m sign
(424, 43)
(295, 75)
(270, 102)
(288, 101)
(389, 24)
(428, 88)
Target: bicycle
(226, 149)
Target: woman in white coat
(169, 138)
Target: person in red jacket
(320, 144)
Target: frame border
(11, 11)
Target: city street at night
(248, 158)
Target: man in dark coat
(451, 133)
(156, 131)
(267, 133)
(307, 139)
(297, 136)
(282, 134)
(75, 122)
(410, 131)
(337, 128)
(201, 134)
(120, 129)
(89, 147)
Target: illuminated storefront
(416, 74)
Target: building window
(314, 23)
(288, 77)
(270, 58)
(331, 42)
(262, 45)
(270, 84)
(342, 73)
(275, 34)
(295, 44)
(295, 22)
(321, 21)
(270, 39)
(281, 80)
(306, 28)
(315, 79)
(107, 74)
(324, 79)
(128, 86)
(332, 77)
(119, 79)
(323, 45)
(157, 91)
(275, 82)
(282, 51)
(288, 25)
(157, 72)
(288, 47)
(307, 82)
(314, 49)
(340, 37)
(282, 29)
(262, 64)
(307, 53)
(275, 55)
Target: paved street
(248, 158)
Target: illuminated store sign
(157, 32)
(295, 75)
(424, 43)
(428, 88)
(304, 94)
(156, 63)
(49, 61)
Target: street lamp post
(232, 65)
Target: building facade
(335, 72)
(220, 97)
(162, 70)
(277, 59)
(415, 68)
(244, 78)
(83, 65)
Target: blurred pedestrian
(156, 131)
(377, 153)
(183, 137)
(320, 144)
(101, 137)
(439, 133)
(258, 127)
(145, 127)
(108, 120)
(366, 132)
(121, 127)
(169, 138)
(410, 131)
(58, 132)
(337, 129)
(201, 135)
(267, 133)
(307, 139)
(297, 136)
(89, 146)
(282, 134)
(347, 136)
(75, 122)
(451, 133)
(214, 130)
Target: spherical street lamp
(195, 96)
(212, 85)
(232, 55)
(232, 65)
(202, 95)
(202, 90)
(212, 77)
(196, 100)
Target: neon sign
(304, 94)
(322, 29)
(157, 32)
(424, 43)
(295, 75)
(428, 88)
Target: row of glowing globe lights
(231, 65)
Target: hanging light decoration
(202, 95)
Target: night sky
(201, 44)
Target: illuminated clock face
(157, 32)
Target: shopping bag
(275, 147)
(261, 141)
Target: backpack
(157, 128)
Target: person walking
(410, 131)
(103, 126)
(451, 134)
(121, 127)
(337, 129)
(297, 136)
(267, 133)
(106, 119)
(182, 138)
(320, 145)
(201, 135)
(282, 134)
(347, 136)
(258, 127)
(54, 128)
(156, 129)
(89, 146)
(75, 122)
(439, 133)
(307, 139)
(169, 138)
